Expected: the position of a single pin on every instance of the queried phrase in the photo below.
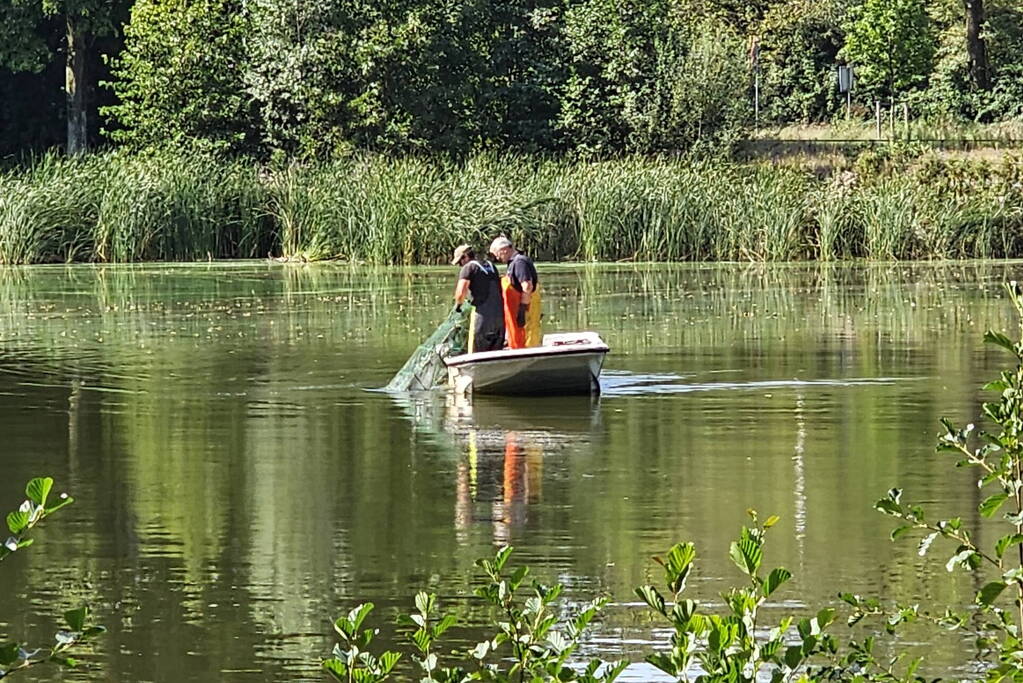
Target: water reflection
(238, 486)
(501, 444)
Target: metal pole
(877, 117)
(905, 118)
(756, 84)
(756, 98)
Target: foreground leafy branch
(531, 641)
(15, 656)
(734, 647)
(998, 455)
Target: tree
(800, 43)
(976, 50)
(23, 35)
(892, 44)
(643, 77)
(179, 78)
(301, 73)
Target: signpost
(846, 81)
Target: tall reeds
(166, 206)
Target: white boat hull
(564, 364)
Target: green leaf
(652, 597)
(746, 553)
(445, 623)
(678, 565)
(989, 593)
(424, 602)
(76, 618)
(849, 598)
(358, 615)
(771, 521)
(17, 521)
(889, 507)
(793, 656)
(999, 339)
(825, 617)
(337, 669)
(517, 577)
(662, 662)
(989, 506)
(1006, 541)
(388, 660)
(898, 532)
(775, 579)
(422, 640)
(502, 556)
(38, 490)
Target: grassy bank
(116, 207)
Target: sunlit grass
(117, 208)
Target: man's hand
(520, 316)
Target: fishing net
(425, 368)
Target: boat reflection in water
(505, 446)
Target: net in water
(425, 368)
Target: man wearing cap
(521, 289)
(478, 278)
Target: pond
(239, 481)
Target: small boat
(567, 363)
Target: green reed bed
(173, 206)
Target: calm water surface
(239, 482)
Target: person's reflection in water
(509, 488)
(465, 490)
(510, 511)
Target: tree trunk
(74, 88)
(976, 50)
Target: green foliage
(799, 49)
(37, 507)
(285, 80)
(15, 656)
(998, 457)
(644, 78)
(540, 643)
(352, 660)
(892, 44)
(1004, 37)
(300, 73)
(428, 628)
(120, 207)
(174, 206)
(24, 27)
(735, 646)
(179, 78)
(532, 641)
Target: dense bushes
(120, 207)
